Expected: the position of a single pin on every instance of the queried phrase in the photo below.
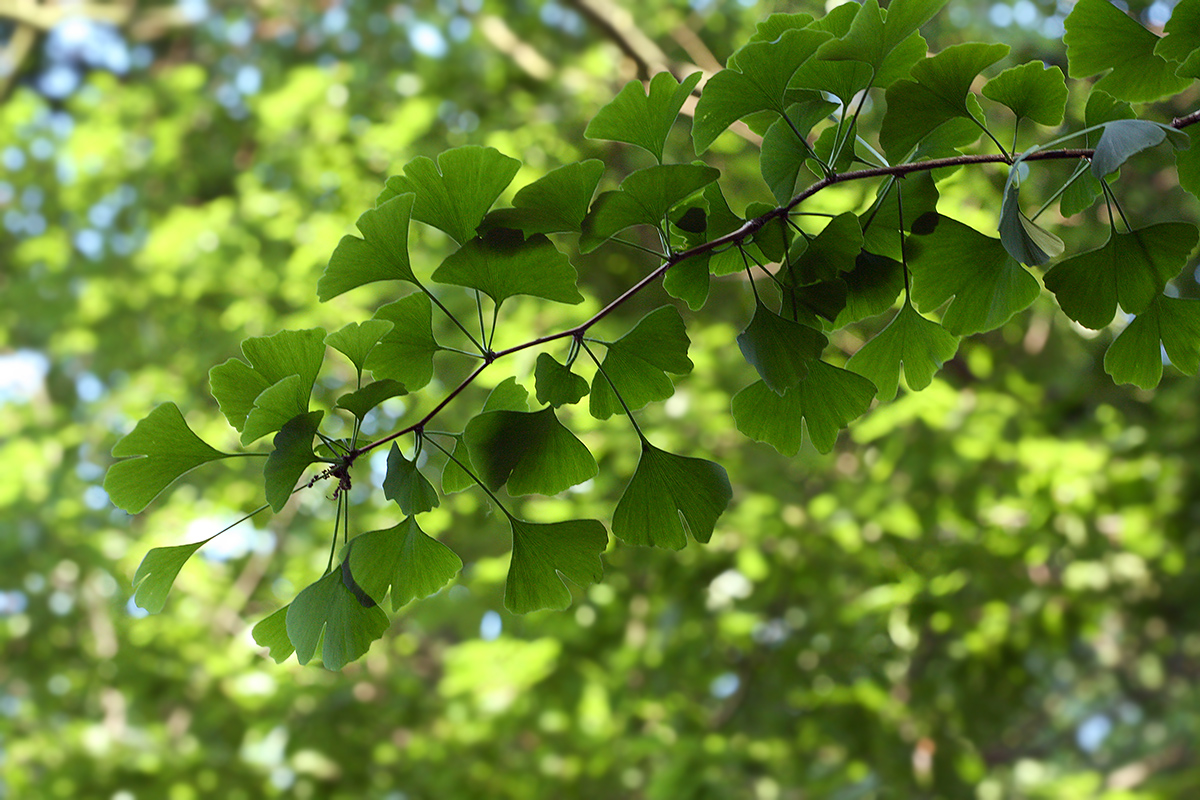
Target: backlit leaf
(1124, 137)
(327, 615)
(919, 344)
(1169, 323)
(871, 287)
(236, 386)
(355, 340)
(1101, 37)
(783, 153)
(406, 559)
(503, 263)
(640, 117)
(362, 401)
(271, 633)
(405, 484)
(831, 252)
(543, 554)
(644, 198)
(1025, 240)
(555, 203)
(1032, 91)
(639, 361)
(380, 255)
(507, 396)
(1182, 39)
(405, 353)
(292, 454)
(779, 348)
(530, 451)
(157, 572)
(557, 384)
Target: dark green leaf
(155, 575)
(778, 348)
(292, 454)
(1187, 162)
(328, 615)
(1130, 269)
(1124, 137)
(1080, 195)
(957, 261)
(644, 198)
(1135, 356)
(639, 361)
(555, 203)
(163, 448)
(381, 255)
(1182, 40)
(643, 118)
(507, 396)
(688, 281)
(921, 345)
(236, 386)
(405, 484)
(355, 341)
(1033, 91)
(532, 452)
(833, 251)
(871, 288)
(880, 227)
(1101, 37)
(404, 557)
(454, 194)
(872, 37)
(557, 384)
(783, 152)
(503, 263)
(360, 402)
(405, 353)
(1025, 240)
(271, 633)
(543, 554)
(666, 492)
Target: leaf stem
(620, 399)
(473, 477)
(453, 318)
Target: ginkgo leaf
(1187, 163)
(639, 361)
(1181, 40)
(1025, 240)
(919, 344)
(507, 396)
(274, 407)
(292, 454)
(827, 400)
(557, 202)
(557, 384)
(871, 287)
(644, 198)
(643, 116)
(1130, 269)
(405, 484)
(156, 574)
(1123, 138)
(530, 451)
(666, 492)
(454, 194)
(1099, 37)
(502, 263)
(545, 553)
(779, 348)
(380, 255)
(405, 354)
(759, 82)
(1032, 91)
(988, 286)
(271, 633)
(163, 448)
(356, 340)
(363, 400)
(831, 252)
(688, 280)
(406, 559)
(784, 152)
(872, 36)
(236, 386)
(327, 615)
(1169, 323)
(880, 225)
(937, 93)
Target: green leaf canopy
(545, 553)
(639, 361)
(403, 557)
(502, 263)
(380, 255)
(643, 117)
(1169, 323)
(530, 451)
(1101, 37)
(326, 614)
(1032, 91)
(919, 344)
(873, 36)
(405, 484)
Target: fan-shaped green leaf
(643, 118)
(666, 492)
(1130, 269)
(503, 263)
(507, 396)
(921, 345)
(1033, 91)
(831, 252)
(639, 361)
(871, 288)
(327, 615)
(873, 36)
(454, 194)
(163, 449)
(360, 402)
(157, 572)
(274, 407)
(644, 198)
(405, 353)
(531, 451)
(271, 633)
(557, 202)
(1182, 40)
(1025, 240)
(557, 384)
(1100, 37)
(381, 255)
(779, 348)
(402, 557)
(1134, 356)
(543, 554)
(355, 340)
(783, 152)
(237, 386)
(292, 454)
(405, 484)
(1124, 137)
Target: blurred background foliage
(989, 589)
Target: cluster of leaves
(802, 83)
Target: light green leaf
(557, 202)
(1032, 91)
(530, 451)
(759, 82)
(833, 251)
(643, 118)
(381, 255)
(360, 402)
(503, 263)
(1182, 40)
(1130, 269)
(666, 492)
(557, 384)
(402, 557)
(688, 280)
(274, 407)
(271, 633)
(1024, 239)
(639, 361)
(405, 484)
(1101, 37)
(937, 93)
(827, 400)
(987, 285)
(454, 194)
(543, 554)
(881, 224)
(1124, 137)
(163, 449)
(921, 345)
(328, 615)
(292, 454)
(779, 348)
(355, 341)
(644, 198)
(872, 37)
(157, 572)
(1135, 356)
(405, 353)
(783, 153)
(237, 386)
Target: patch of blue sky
(427, 40)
